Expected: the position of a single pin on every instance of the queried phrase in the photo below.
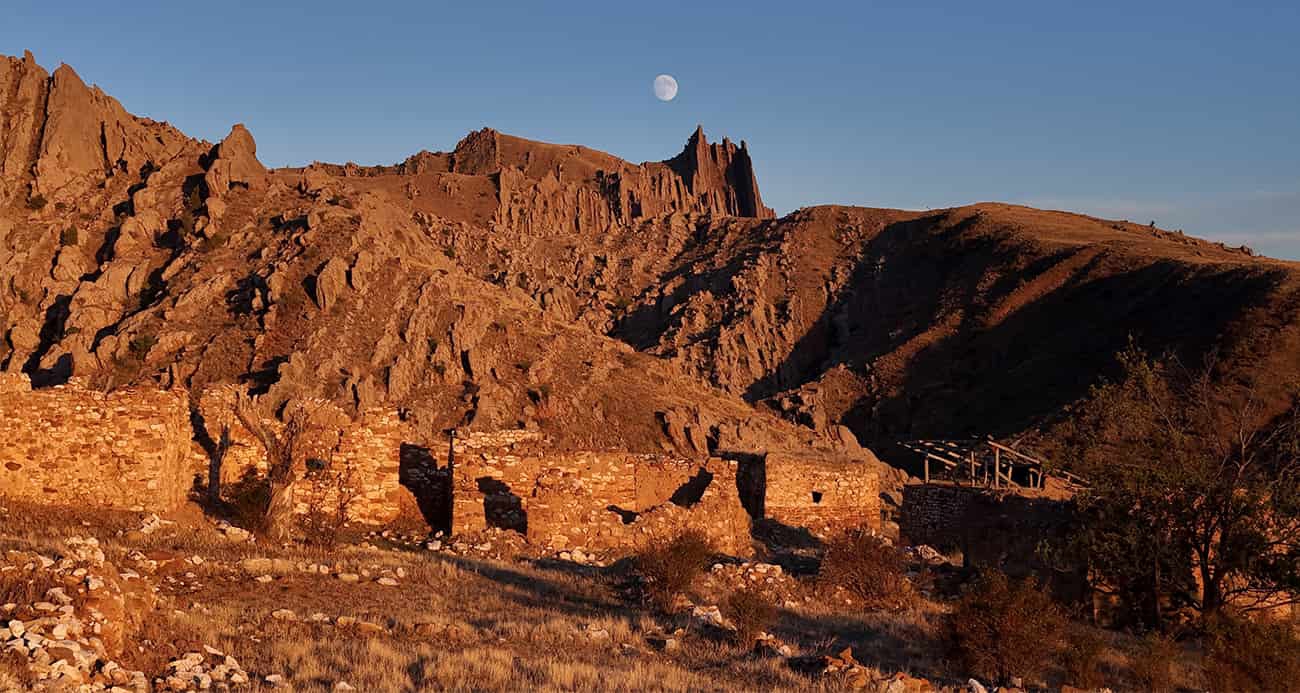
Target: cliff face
(466, 288)
(59, 138)
(720, 177)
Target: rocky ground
(133, 602)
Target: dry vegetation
(456, 622)
(453, 622)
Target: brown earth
(613, 305)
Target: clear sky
(1186, 113)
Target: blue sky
(1186, 113)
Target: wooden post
(927, 468)
(997, 466)
(973, 481)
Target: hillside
(516, 283)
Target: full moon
(665, 87)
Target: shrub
(1004, 628)
(15, 673)
(141, 344)
(671, 567)
(36, 201)
(328, 494)
(68, 236)
(751, 612)
(1242, 655)
(1153, 663)
(868, 568)
(1081, 658)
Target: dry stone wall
(138, 449)
(364, 466)
(992, 528)
(71, 446)
(589, 499)
(821, 494)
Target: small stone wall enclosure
(140, 450)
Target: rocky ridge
(517, 283)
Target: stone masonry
(367, 452)
(994, 528)
(589, 499)
(820, 493)
(138, 449)
(71, 446)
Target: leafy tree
(1195, 496)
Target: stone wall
(992, 528)
(587, 499)
(819, 493)
(364, 467)
(71, 446)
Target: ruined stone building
(140, 449)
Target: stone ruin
(70, 446)
(144, 449)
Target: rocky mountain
(640, 306)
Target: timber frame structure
(986, 462)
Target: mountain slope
(642, 306)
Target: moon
(665, 87)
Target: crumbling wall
(994, 528)
(591, 499)
(68, 445)
(819, 493)
(368, 456)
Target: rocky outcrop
(720, 177)
(234, 163)
(61, 137)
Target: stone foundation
(70, 446)
(992, 528)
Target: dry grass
(751, 612)
(485, 624)
(1005, 628)
(494, 625)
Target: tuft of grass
(1152, 662)
(1081, 658)
(751, 612)
(1243, 655)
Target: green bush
(69, 236)
(1004, 628)
(141, 344)
(669, 568)
(36, 201)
